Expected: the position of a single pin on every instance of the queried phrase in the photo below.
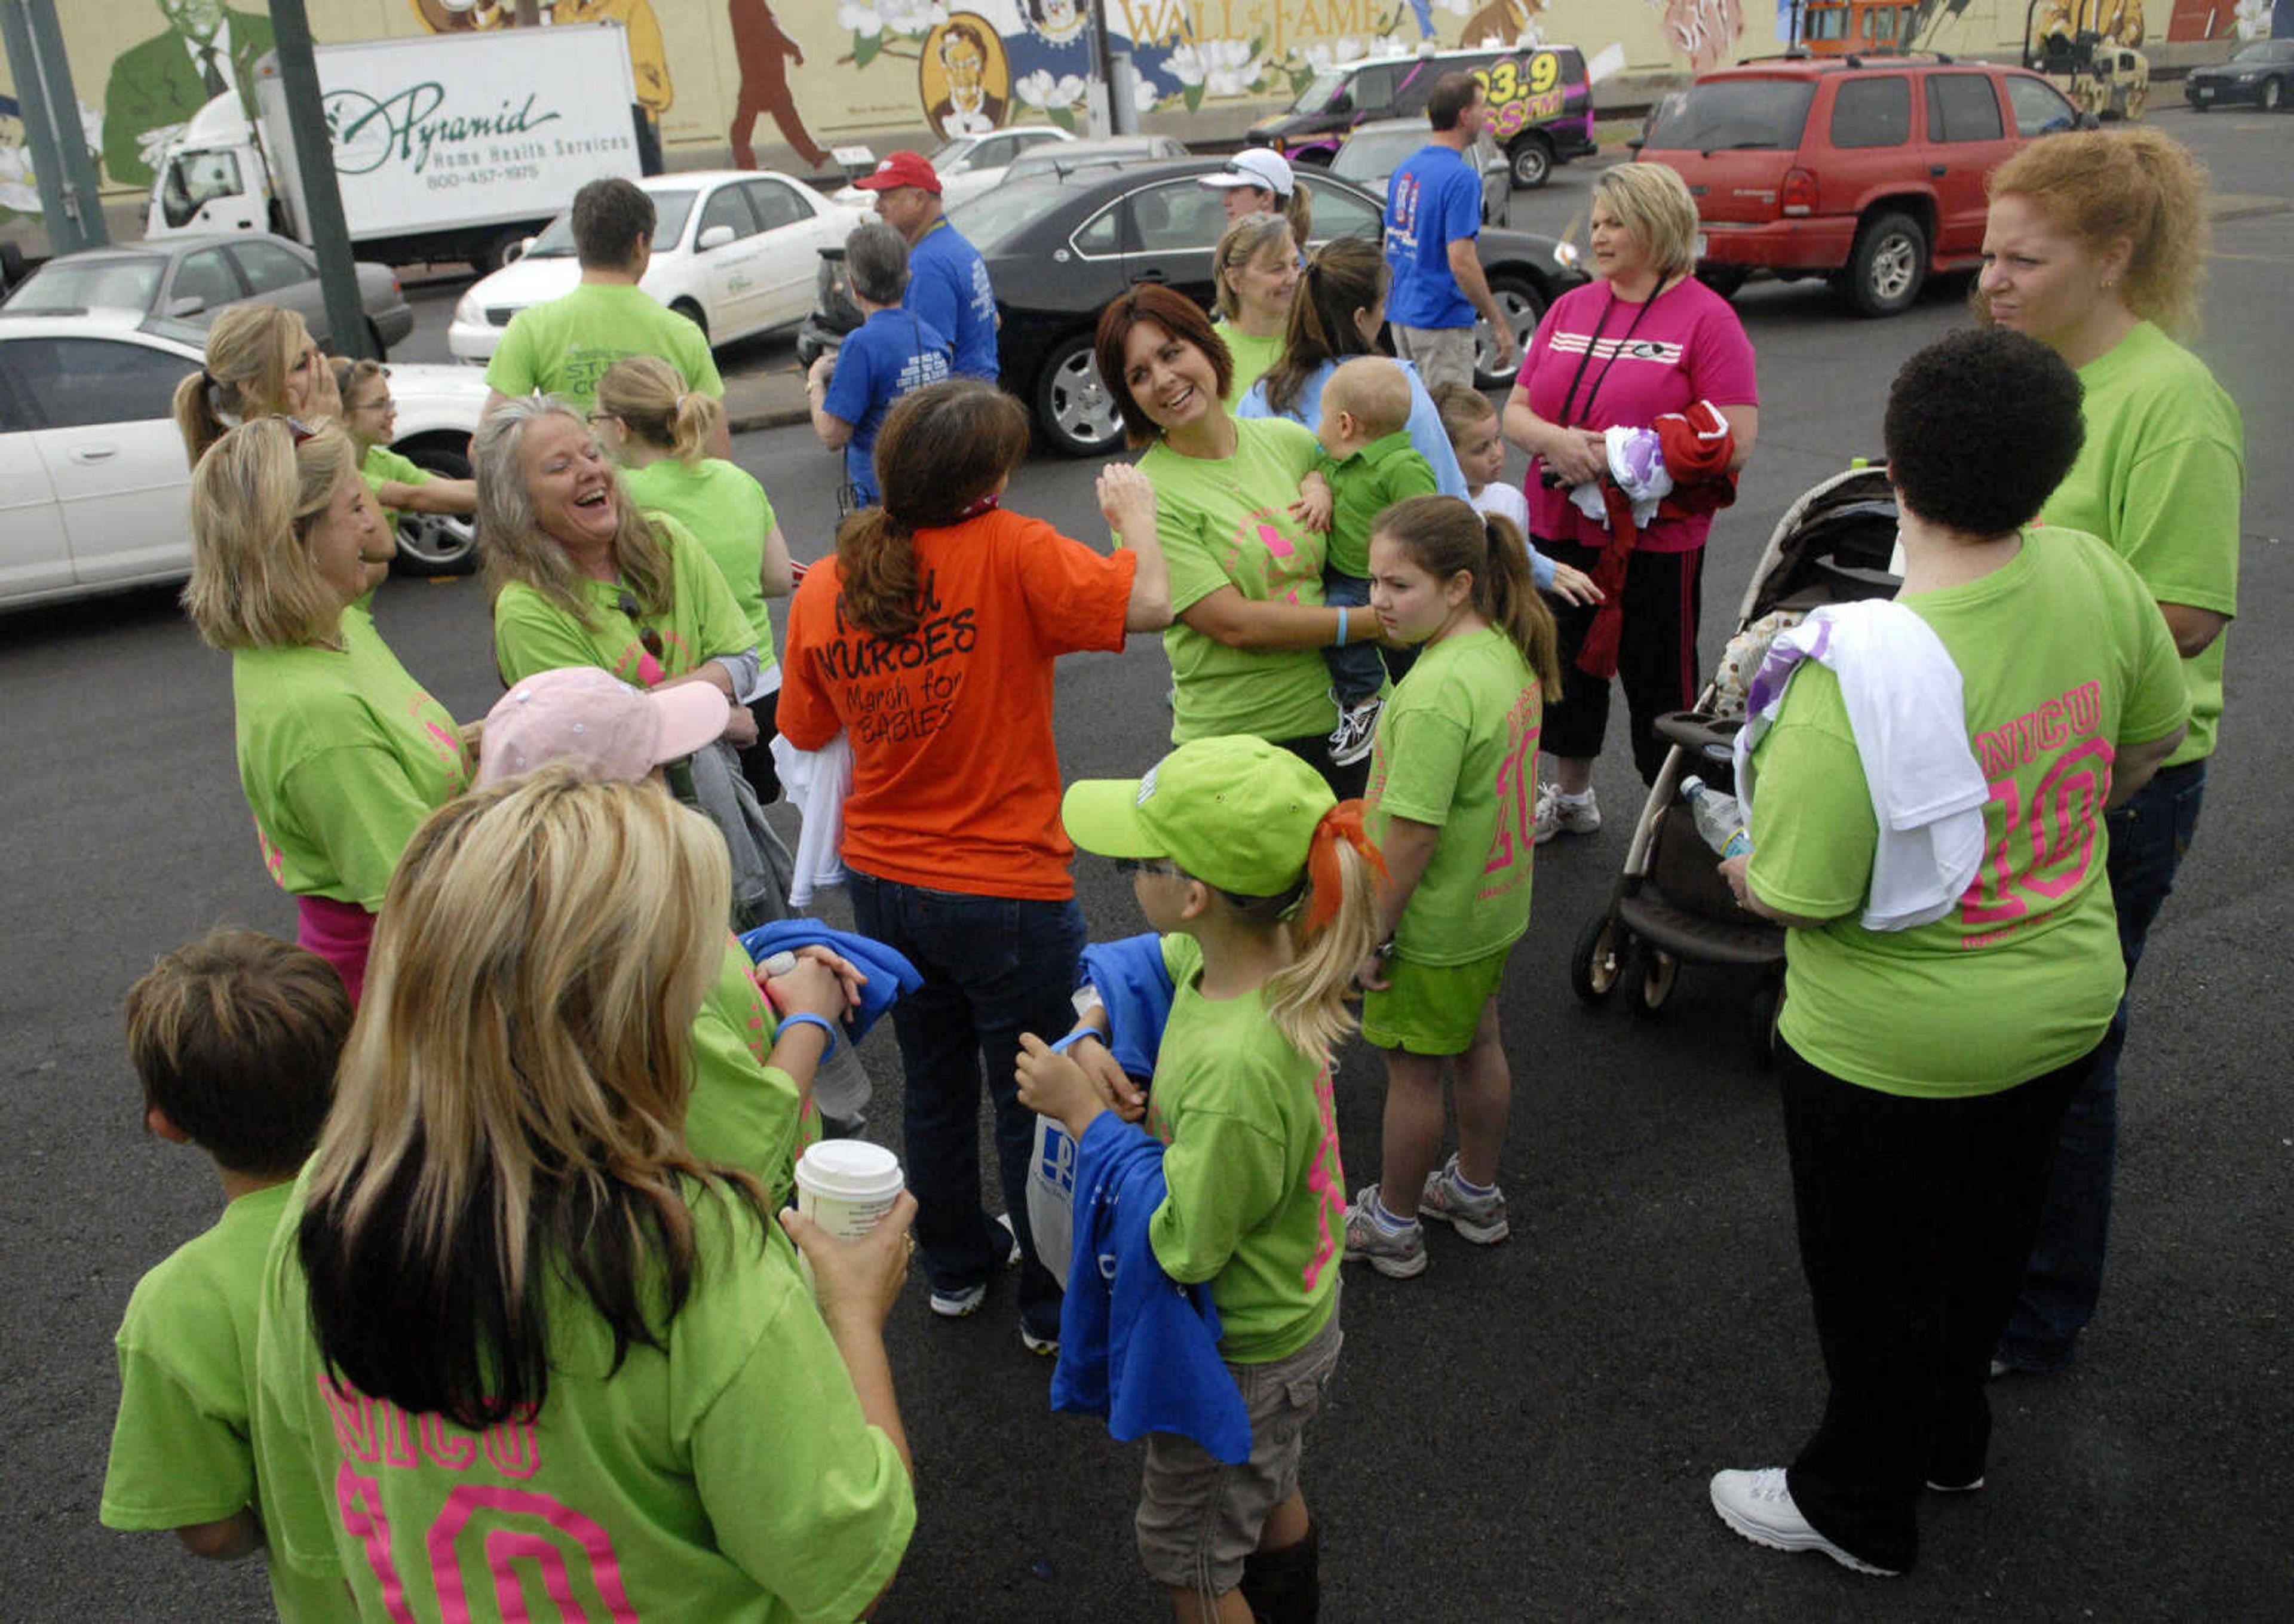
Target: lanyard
(1602, 377)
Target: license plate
(2206, 93)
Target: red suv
(1866, 169)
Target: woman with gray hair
(1254, 274)
(891, 351)
(579, 576)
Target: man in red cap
(948, 281)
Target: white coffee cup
(846, 1186)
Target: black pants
(1346, 782)
(757, 760)
(1656, 653)
(1916, 1216)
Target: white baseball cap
(1259, 166)
(592, 721)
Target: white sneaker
(1356, 731)
(1557, 816)
(1759, 1507)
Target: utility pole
(314, 162)
(69, 205)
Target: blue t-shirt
(891, 352)
(948, 286)
(1432, 201)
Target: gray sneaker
(1480, 1219)
(1556, 816)
(1398, 1257)
(1356, 731)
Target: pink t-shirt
(1686, 346)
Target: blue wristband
(806, 1017)
(1341, 643)
(1074, 1037)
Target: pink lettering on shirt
(1327, 1180)
(2041, 848)
(564, 1533)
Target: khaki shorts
(1443, 355)
(1431, 1009)
(1198, 1517)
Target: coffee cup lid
(850, 1167)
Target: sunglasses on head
(298, 431)
(649, 639)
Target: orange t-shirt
(956, 783)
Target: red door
(1966, 139)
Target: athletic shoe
(1356, 731)
(965, 1300)
(1759, 1506)
(1480, 1219)
(1556, 816)
(1398, 1256)
(1042, 1347)
(1969, 1487)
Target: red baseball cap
(902, 169)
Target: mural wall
(779, 82)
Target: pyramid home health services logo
(411, 127)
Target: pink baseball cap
(592, 720)
(902, 169)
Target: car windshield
(1733, 113)
(2262, 50)
(669, 210)
(1373, 157)
(993, 218)
(955, 149)
(125, 281)
(1319, 95)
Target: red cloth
(1698, 446)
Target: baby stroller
(1670, 905)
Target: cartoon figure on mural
(765, 54)
(1501, 23)
(1703, 31)
(19, 188)
(963, 79)
(156, 86)
(2119, 21)
(1056, 20)
(648, 57)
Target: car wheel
(1532, 162)
(2274, 94)
(692, 313)
(1073, 405)
(1522, 305)
(1889, 266)
(1723, 280)
(436, 543)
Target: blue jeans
(2064, 1279)
(993, 967)
(1357, 672)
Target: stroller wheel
(1659, 971)
(1766, 1008)
(1597, 962)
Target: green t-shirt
(342, 755)
(1457, 748)
(730, 1476)
(2159, 479)
(1252, 357)
(563, 346)
(1255, 1200)
(728, 513)
(2065, 660)
(381, 466)
(532, 634)
(183, 1449)
(1227, 523)
(1365, 483)
(742, 1112)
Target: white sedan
(735, 251)
(970, 165)
(95, 489)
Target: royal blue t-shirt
(1432, 201)
(948, 286)
(891, 352)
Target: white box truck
(446, 147)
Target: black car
(2261, 72)
(1059, 247)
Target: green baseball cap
(1236, 813)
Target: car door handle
(1938, 170)
(1150, 274)
(94, 453)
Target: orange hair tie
(1343, 822)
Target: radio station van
(452, 147)
(1540, 100)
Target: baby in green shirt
(1368, 464)
(235, 1037)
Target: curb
(768, 417)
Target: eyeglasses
(597, 418)
(649, 639)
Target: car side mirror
(188, 305)
(1634, 143)
(518, 250)
(715, 236)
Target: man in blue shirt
(948, 281)
(1433, 217)
(892, 351)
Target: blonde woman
(659, 429)
(579, 576)
(2096, 246)
(260, 363)
(1255, 272)
(1645, 338)
(341, 753)
(518, 1322)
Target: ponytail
(696, 420)
(1333, 925)
(251, 350)
(1345, 275)
(1506, 595)
(880, 592)
(1298, 209)
(650, 398)
(196, 417)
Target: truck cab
(214, 178)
